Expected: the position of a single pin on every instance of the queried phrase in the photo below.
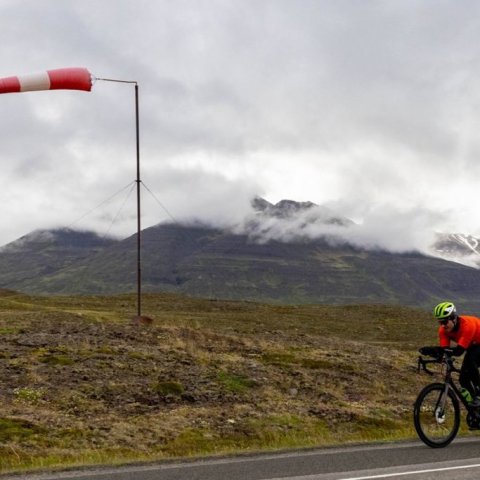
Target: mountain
(458, 248)
(244, 264)
(288, 209)
(26, 261)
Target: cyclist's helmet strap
(445, 310)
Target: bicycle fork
(440, 405)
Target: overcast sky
(368, 107)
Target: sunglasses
(444, 321)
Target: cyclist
(465, 332)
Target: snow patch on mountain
(458, 247)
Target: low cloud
(371, 102)
(382, 228)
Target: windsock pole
(138, 181)
(139, 217)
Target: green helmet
(445, 310)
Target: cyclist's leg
(469, 375)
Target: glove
(436, 352)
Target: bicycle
(436, 411)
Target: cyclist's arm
(444, 341)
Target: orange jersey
(468, 333)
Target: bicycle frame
(448, 364)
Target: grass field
(81, 383)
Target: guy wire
(100, 205)
(120, 209)
(160, 203)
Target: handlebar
(445, 359)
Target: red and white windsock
(62, 78)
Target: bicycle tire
(435, 427)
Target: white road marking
(318, 476)
(413, 472)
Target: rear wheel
(436, 415)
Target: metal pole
(138, 181)
(139, 245)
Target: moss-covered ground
(81, 383)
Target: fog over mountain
(383, 229)
(459, 248)
(287, 252)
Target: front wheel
(436, 415)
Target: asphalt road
(409, 461)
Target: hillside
(32, 257)
(82, 384)
(213, 263)
(270, 258)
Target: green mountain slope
(212, 263)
